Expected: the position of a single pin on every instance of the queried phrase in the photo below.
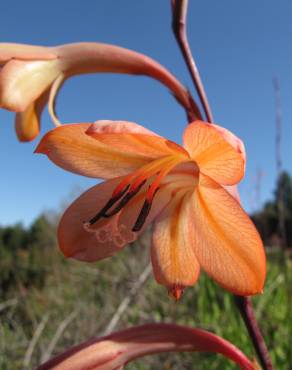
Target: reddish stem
(244, 304)
(179, 9)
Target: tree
(268, 219)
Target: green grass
(89, 295)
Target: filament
(130, 186)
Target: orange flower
(30, 76)
(116, 350)
(197, 222)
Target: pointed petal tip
(176, 292)
(259, 290)
(40, 149)
(43, 146)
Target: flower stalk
(244, 304)
(179, 9)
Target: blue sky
(238, 46)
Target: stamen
(108, 205)
(132, 184)
(126, 182)
(151, 194)
(143, 213)
(142, 216)
(124, 201)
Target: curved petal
(27, 123)
(232, 140)
(91, 57)
(116, 350)
(22, 82)
(71, 148)
(10, 51)
(225, 241)
(174, 262)
(107, 236)
(132, 138)
(215, 156)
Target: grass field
(69, 302)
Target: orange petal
(226, 242)
(21, 82)
(232, 140)
(132, 138)
(174, 262)
(108, 236)
(215, 156)
(27, 123)
(71, 148)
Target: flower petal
(215, 156)
(10, 51)
(174, 262)
(79, 58)
(21, 82)
(116, 350)
(90, 57)
(113, 234)
(74, 240)
(27, 123)
(232, 139)
(132, 138)
(71, 148)
(226, 242)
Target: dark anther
(124, 201)
(108, 205)
(143, 214)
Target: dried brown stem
(179, 9)
(127, 300)
(280, 197)
(33, 342)
(63, 325)
(244, 304)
